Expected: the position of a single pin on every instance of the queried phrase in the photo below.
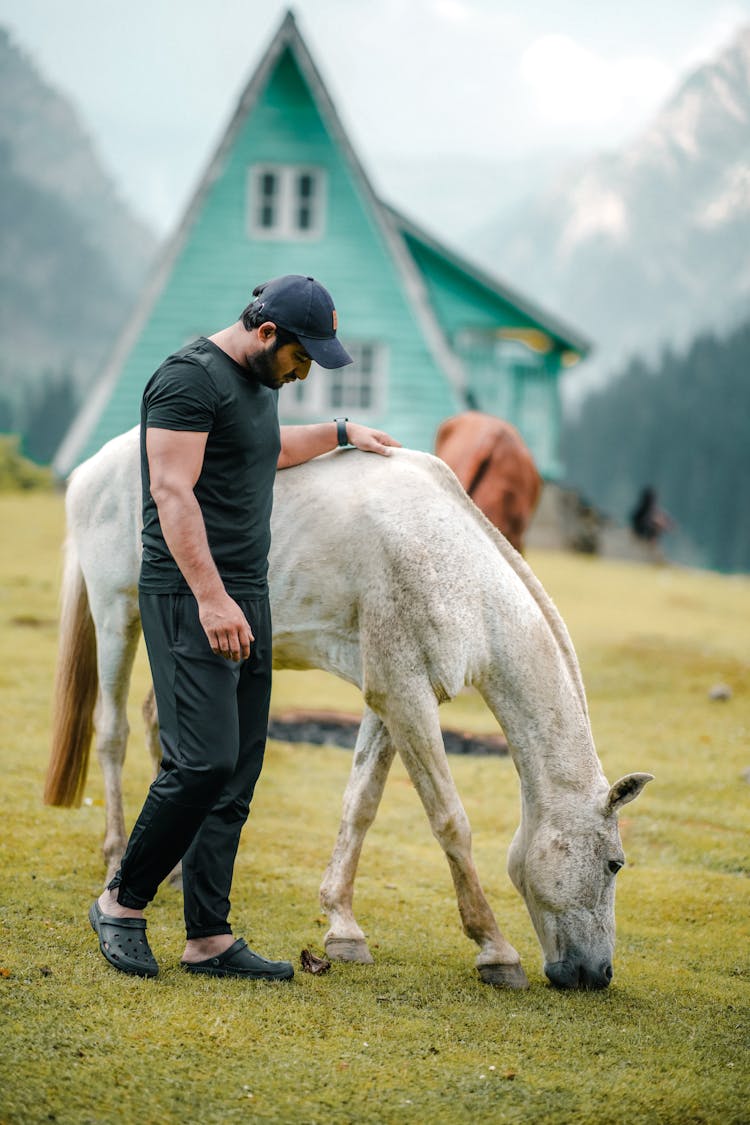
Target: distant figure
(494, 465)
(648, 520)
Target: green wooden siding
(504, 377)
(460, 300)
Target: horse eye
(614, 866)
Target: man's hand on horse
(371, 441)
(227, 628)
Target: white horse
(385, 573)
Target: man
(210, 447)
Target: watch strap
(341, 436)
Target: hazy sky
(155, 81)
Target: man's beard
(261, 368)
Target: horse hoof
(504, 976)
(348, 949)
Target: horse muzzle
(577, 974)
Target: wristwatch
(341, 431)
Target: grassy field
(414, 1037)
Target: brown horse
(495, 467)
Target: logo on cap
(335, 319)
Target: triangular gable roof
(566, 337)
(286, 38)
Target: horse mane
(522, 569)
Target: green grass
(414, 1037)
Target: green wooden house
(430, 334)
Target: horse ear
(625, 790)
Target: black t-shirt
(203, 390)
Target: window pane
(305, 186)
(305, 197)
(268, 193)
(354, 387)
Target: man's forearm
(302, 443)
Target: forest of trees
(41, 413)
(681, 426)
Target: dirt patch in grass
(327, 728)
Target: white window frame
(313, 399)
(286, 227)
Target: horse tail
(75, 690)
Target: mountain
(72, 255)
(647, 245)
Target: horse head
(563, 860)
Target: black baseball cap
(304, 307)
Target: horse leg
(153, 745)
(151, 730)
(118, 631)
(415, 729)
(373, 755)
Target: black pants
(213, 720)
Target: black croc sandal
(123, 943)
(240, 961)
